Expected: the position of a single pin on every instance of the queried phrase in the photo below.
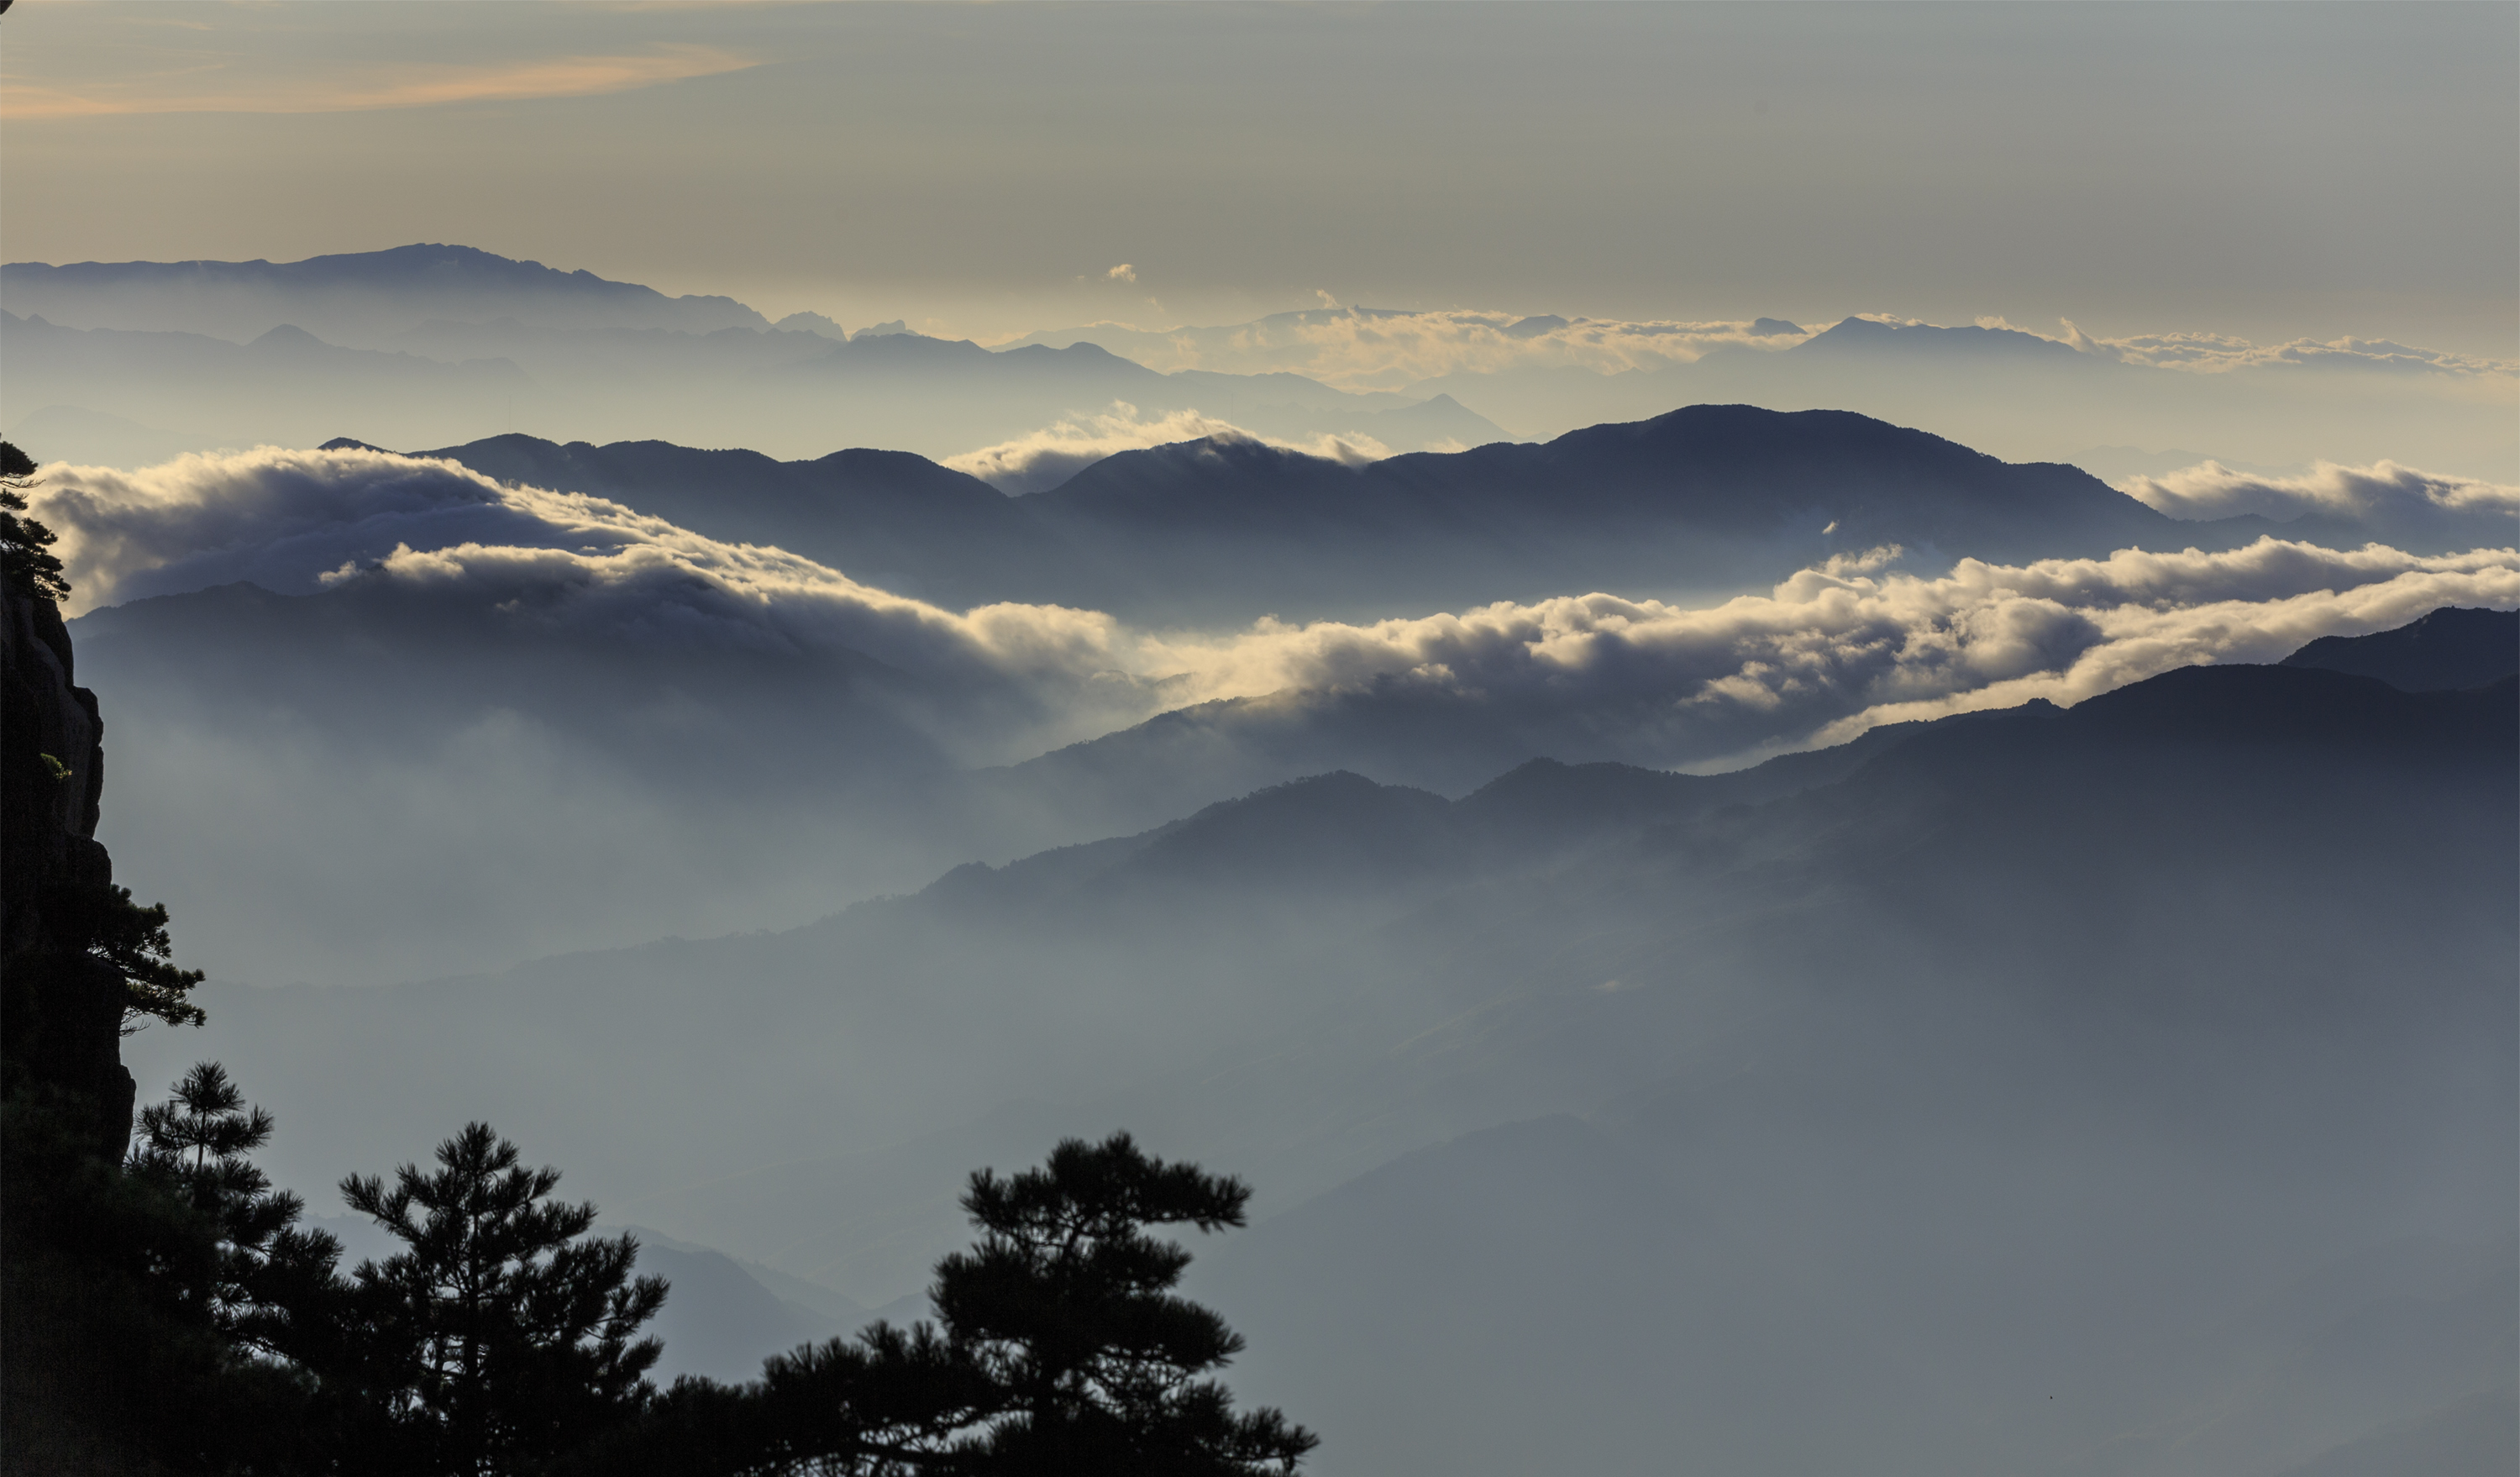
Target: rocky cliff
(60, 1007)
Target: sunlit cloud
(1046, 458)
(1838, 649)
(300, 522)
(2215, 491)
(1828, 652)
(217, 89)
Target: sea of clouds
(1826, 653)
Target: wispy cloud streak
(217, 89)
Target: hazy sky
(2264, 170)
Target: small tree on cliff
(497, 1339)
(28, 564)
(97, 919)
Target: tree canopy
(504, 1335)
(1066, 1308)
(28, 564)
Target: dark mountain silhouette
(2448, 649)
(887, 517)
(1721, 470)
(1704, 494)
(1227, 529)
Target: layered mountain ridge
(1704, 497)
(1674, 1084)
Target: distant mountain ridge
(351, 296)
(891, 518)
(1724, 468)
(1701, 497)
(585, 356)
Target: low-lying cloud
(302, 521)
(2211, 490)
(1048, 457)
(1838, 649)
(1828, 652)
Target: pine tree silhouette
(1067, 1306)
(258, 1277)
(497, 1339)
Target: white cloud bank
(1048, 457)
(2211, 490)
(1827, 653)
(1838, 649)
(299, 522)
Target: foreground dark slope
(1708, 496)
(2155, 1055)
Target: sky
(2268, 171)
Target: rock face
(60, 1009)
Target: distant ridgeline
(1709, 495)
(428, 343)
(352, 294)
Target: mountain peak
(290, 335)
(1870, 336)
